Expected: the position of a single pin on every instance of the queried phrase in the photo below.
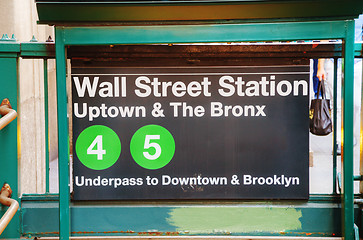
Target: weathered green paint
(151, 11)
(8, 141)
(228, 220)
(63, 144)
(317, 217)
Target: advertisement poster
(222, 132)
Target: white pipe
(8, 114)
(5, 199)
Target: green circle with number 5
(152, 147)
(98, 147)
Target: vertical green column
(347, 143)
(9, 139)
(63, 144)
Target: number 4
(148, 145)
(98, 151)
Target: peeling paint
(158, 233)
(229, 220)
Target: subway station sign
(221, 132)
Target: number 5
(148, 145)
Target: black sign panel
(190, 133)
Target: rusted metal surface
(318, 219)
(285, 49)
(201, 238)
(5, 107)
(297, 53)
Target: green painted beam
(37, 50)
(47, 50)
(319, 217)
(347, 141)
(63, 144)
(91, 12)
(203, 33)
(27, 49)
(9, 47)
(9, 141)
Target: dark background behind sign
(277, 144)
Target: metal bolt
(33, 39)
(4, 37)
(49, 39)
(5, 101)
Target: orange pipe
(8, 113)
(5, 199)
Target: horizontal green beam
(46, 50)
(34, 50)
(9, 55)
(27, 49)
(9, 47)
(203, 33)
(91, 12)
(318, 217)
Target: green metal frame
(327, 209)
(320, 217)
(103, 35)
(324, 209)
(347, 141)
(273, 31)
(9, 134)
(63, 143)
(10, 51)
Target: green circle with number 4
(152, 147)
(98, 147)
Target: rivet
(33, 39)
(49, 39)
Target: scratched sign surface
(190, 133)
